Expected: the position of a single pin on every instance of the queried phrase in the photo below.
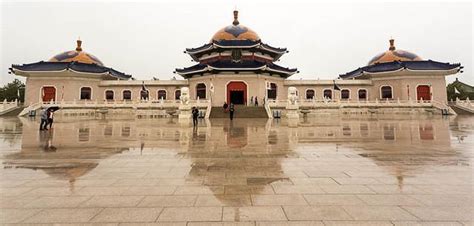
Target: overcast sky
(325, 38)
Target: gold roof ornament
(392, 44)
(79, 43)
(236, 18)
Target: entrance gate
(237, 93)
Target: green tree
(10, 91)
(464, 90)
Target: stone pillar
(292, 106)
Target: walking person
(256, 102)
(231, 111)
(251, 100)
(44, 119)
(195, 113)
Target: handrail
(208, 110)
(268, 110)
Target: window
(362, 94)
(144, 94)
(177, 94)
(127, 95)
(345, 94)
(161, 94)
(386, 92)
(272, 92)
(310, 94)
(86, 93)
(109, 95)
(327, 94)
(201, 91)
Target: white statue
(292, 108)
(292, 96)
(184, 98)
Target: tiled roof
(236, 66)
(76, 66)
(426, 65)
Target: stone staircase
(13, 112)
(240, 112)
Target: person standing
(251, 100)
(231, 111)
(256, 102)
(44, 119)
(195, 113)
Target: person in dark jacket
(225, 106)
(195, 113)
(231, 111)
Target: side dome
(235, 32)
(393, 54)
(76, 55)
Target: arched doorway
(237, 93)
(423, 92)
(49, 93)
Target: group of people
(46, 119)
(254, 101)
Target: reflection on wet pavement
(330, 170)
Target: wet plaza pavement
(341, 170)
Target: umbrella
(53, 109)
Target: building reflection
(10, 132)
(245, 156)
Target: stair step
(240, 112)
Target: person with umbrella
(50, 116)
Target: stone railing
(6, 106)
(467, 105)
(131, 104)
(313, 103)
(135, 104)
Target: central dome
(76, 55)
(235, 32)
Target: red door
(423, 92)
(49, 93)
(237, 93)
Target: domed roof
(393, 54)
(76, 55)
(235, 32)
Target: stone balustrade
(327, 103)
(7, 106)
(123, 104)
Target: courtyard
(330, 170)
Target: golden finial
(79, 43)
(392, 44)
(236, 18)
